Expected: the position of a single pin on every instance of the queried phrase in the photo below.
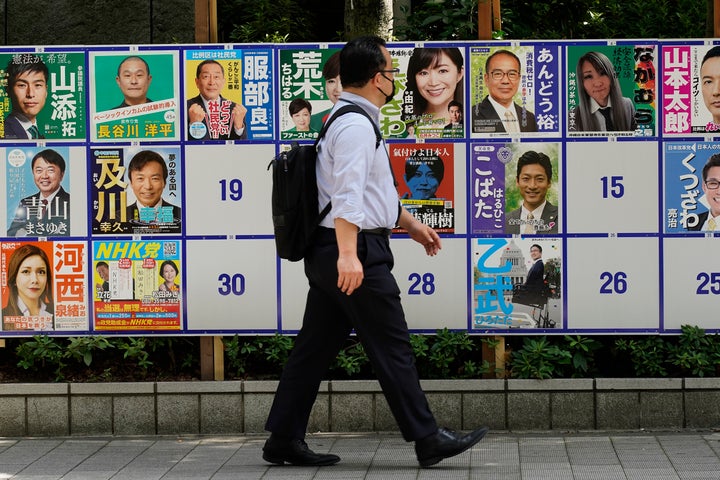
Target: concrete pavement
(502, 456)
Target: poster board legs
(212, 366)
(494, 353)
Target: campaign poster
(52, 87)
(691, 86)
(228, 94)
(514, 90)
(44, 286)
(692, 181)
(424, 173)
(515, 188)
(134, 95)
(136, 190)
(37, 189)
(429, 93)
(309, 87)
(136, 285)
(516, 283)
(611, 90)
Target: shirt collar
(366, 104)
(26, 311)
(500, 109)
(595, 106)
(537, 213)
(50, 197)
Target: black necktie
(609, 127)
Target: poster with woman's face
(611, 90)
(428, 100)
(309, 87)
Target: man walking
(351, 284)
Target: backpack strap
(352, 107)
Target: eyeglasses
(392, 70)
(499, 74)
(712, 184)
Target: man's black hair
(50, 156)
(143, 158)
(23, 64)
(360, 59)
(530, 157)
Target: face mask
(388, 98)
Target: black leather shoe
(445, 444)
(295, 452)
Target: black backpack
(295, 194)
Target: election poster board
(575, 184)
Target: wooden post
(496, 356)
(211, 348)
(202, 21)
(212, 365)
(206, 30)
(484, 20)
(2, 343)
(716, 17)
(496, 16)
(219, 360)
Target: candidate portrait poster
(619, 77)
(136, 190)
(44, 286)
(514, 90)
(502, 196)
(690, 82)
(429, 100)
(136, 285)
(306, 97)
(690, 201)
(425, 175)
(228, 94)
(134, 95)
(516, 283)
(38, 198)
(55, 83)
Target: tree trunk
(368, 17)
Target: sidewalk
(502, 456)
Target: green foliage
(696, 353)
(559, 19)
(351, 359)
(98, 358)
(447, 349)
(589, 19)
(539, 358)
(446, 354)
(41, 353)
(135, 351)
(439, 20)
(81, 348)
(582, 351)
(647, 355)
(449, 354)
(260, 354)
(267, 21)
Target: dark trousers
(375, 312)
